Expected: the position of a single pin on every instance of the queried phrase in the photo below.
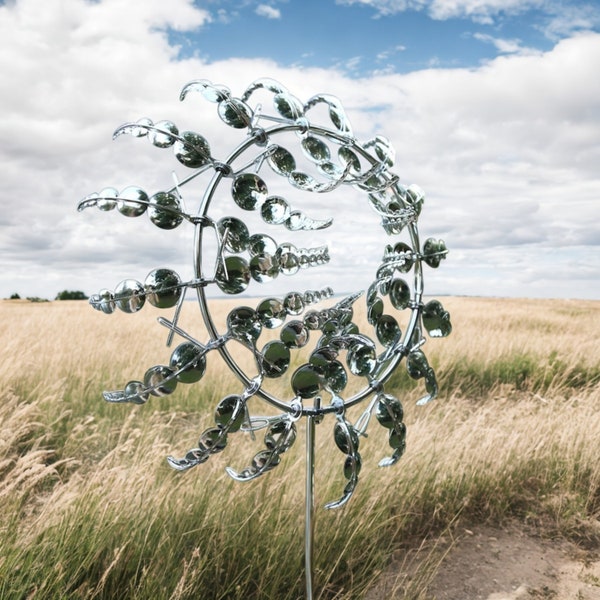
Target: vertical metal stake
(310, 502)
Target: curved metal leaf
(298, 221)
(346, 439)
(194, 457)
(210, 91)
(279, 438)
(264, 82)
(336, 111)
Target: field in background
(90, 508)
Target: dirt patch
(486, 563)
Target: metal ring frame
(402, 348)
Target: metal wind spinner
(328, 344)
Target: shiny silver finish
(284, 141)
(309, 509)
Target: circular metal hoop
(402, 347)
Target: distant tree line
(71, 295)
(64, 295)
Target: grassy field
(90, 509)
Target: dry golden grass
(90, 509)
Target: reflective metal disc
(132, 202)
(293, 303)
(361, 359)
(352, 466)
(399, 293)
(129, 296)
(189, 357)
(107, 301)
(375, 310)
(397, 437)
(436, 319)
(306, 382)
(387, 330)
(236, 233)
(235, 113)
(229, 413)
(282, 162)
(213, 439)
(264, 267)
(136, 392)
(294, 334)
(265, 461)
(163, 288)
(165, 210)
(288, 106)
(389, 411)
(316, 149)
(235, 277)
(271, 313)
(276, 359)
(259, 243)
(105, 200)
(288, 263)
(336, 377)
(165, 137)
(161, 380)
(348, 156)
(416, 364)
(345, 437)
(275, 210)
(280, 435)
(243, 323)
(192, 151)
(249, 191)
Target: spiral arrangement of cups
(326, 340)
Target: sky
(492, 106)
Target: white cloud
(482, 11)
(267, 11)
(507, 152)
(389, 52)
(562, 18)
(352, 64)
(504, 46)
(479, 10)
(388, 7)
(571, 18)
(225, 17)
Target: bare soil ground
(487, 563)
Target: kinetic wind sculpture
(328, 343)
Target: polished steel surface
(294, 145)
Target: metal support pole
(310, 503)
